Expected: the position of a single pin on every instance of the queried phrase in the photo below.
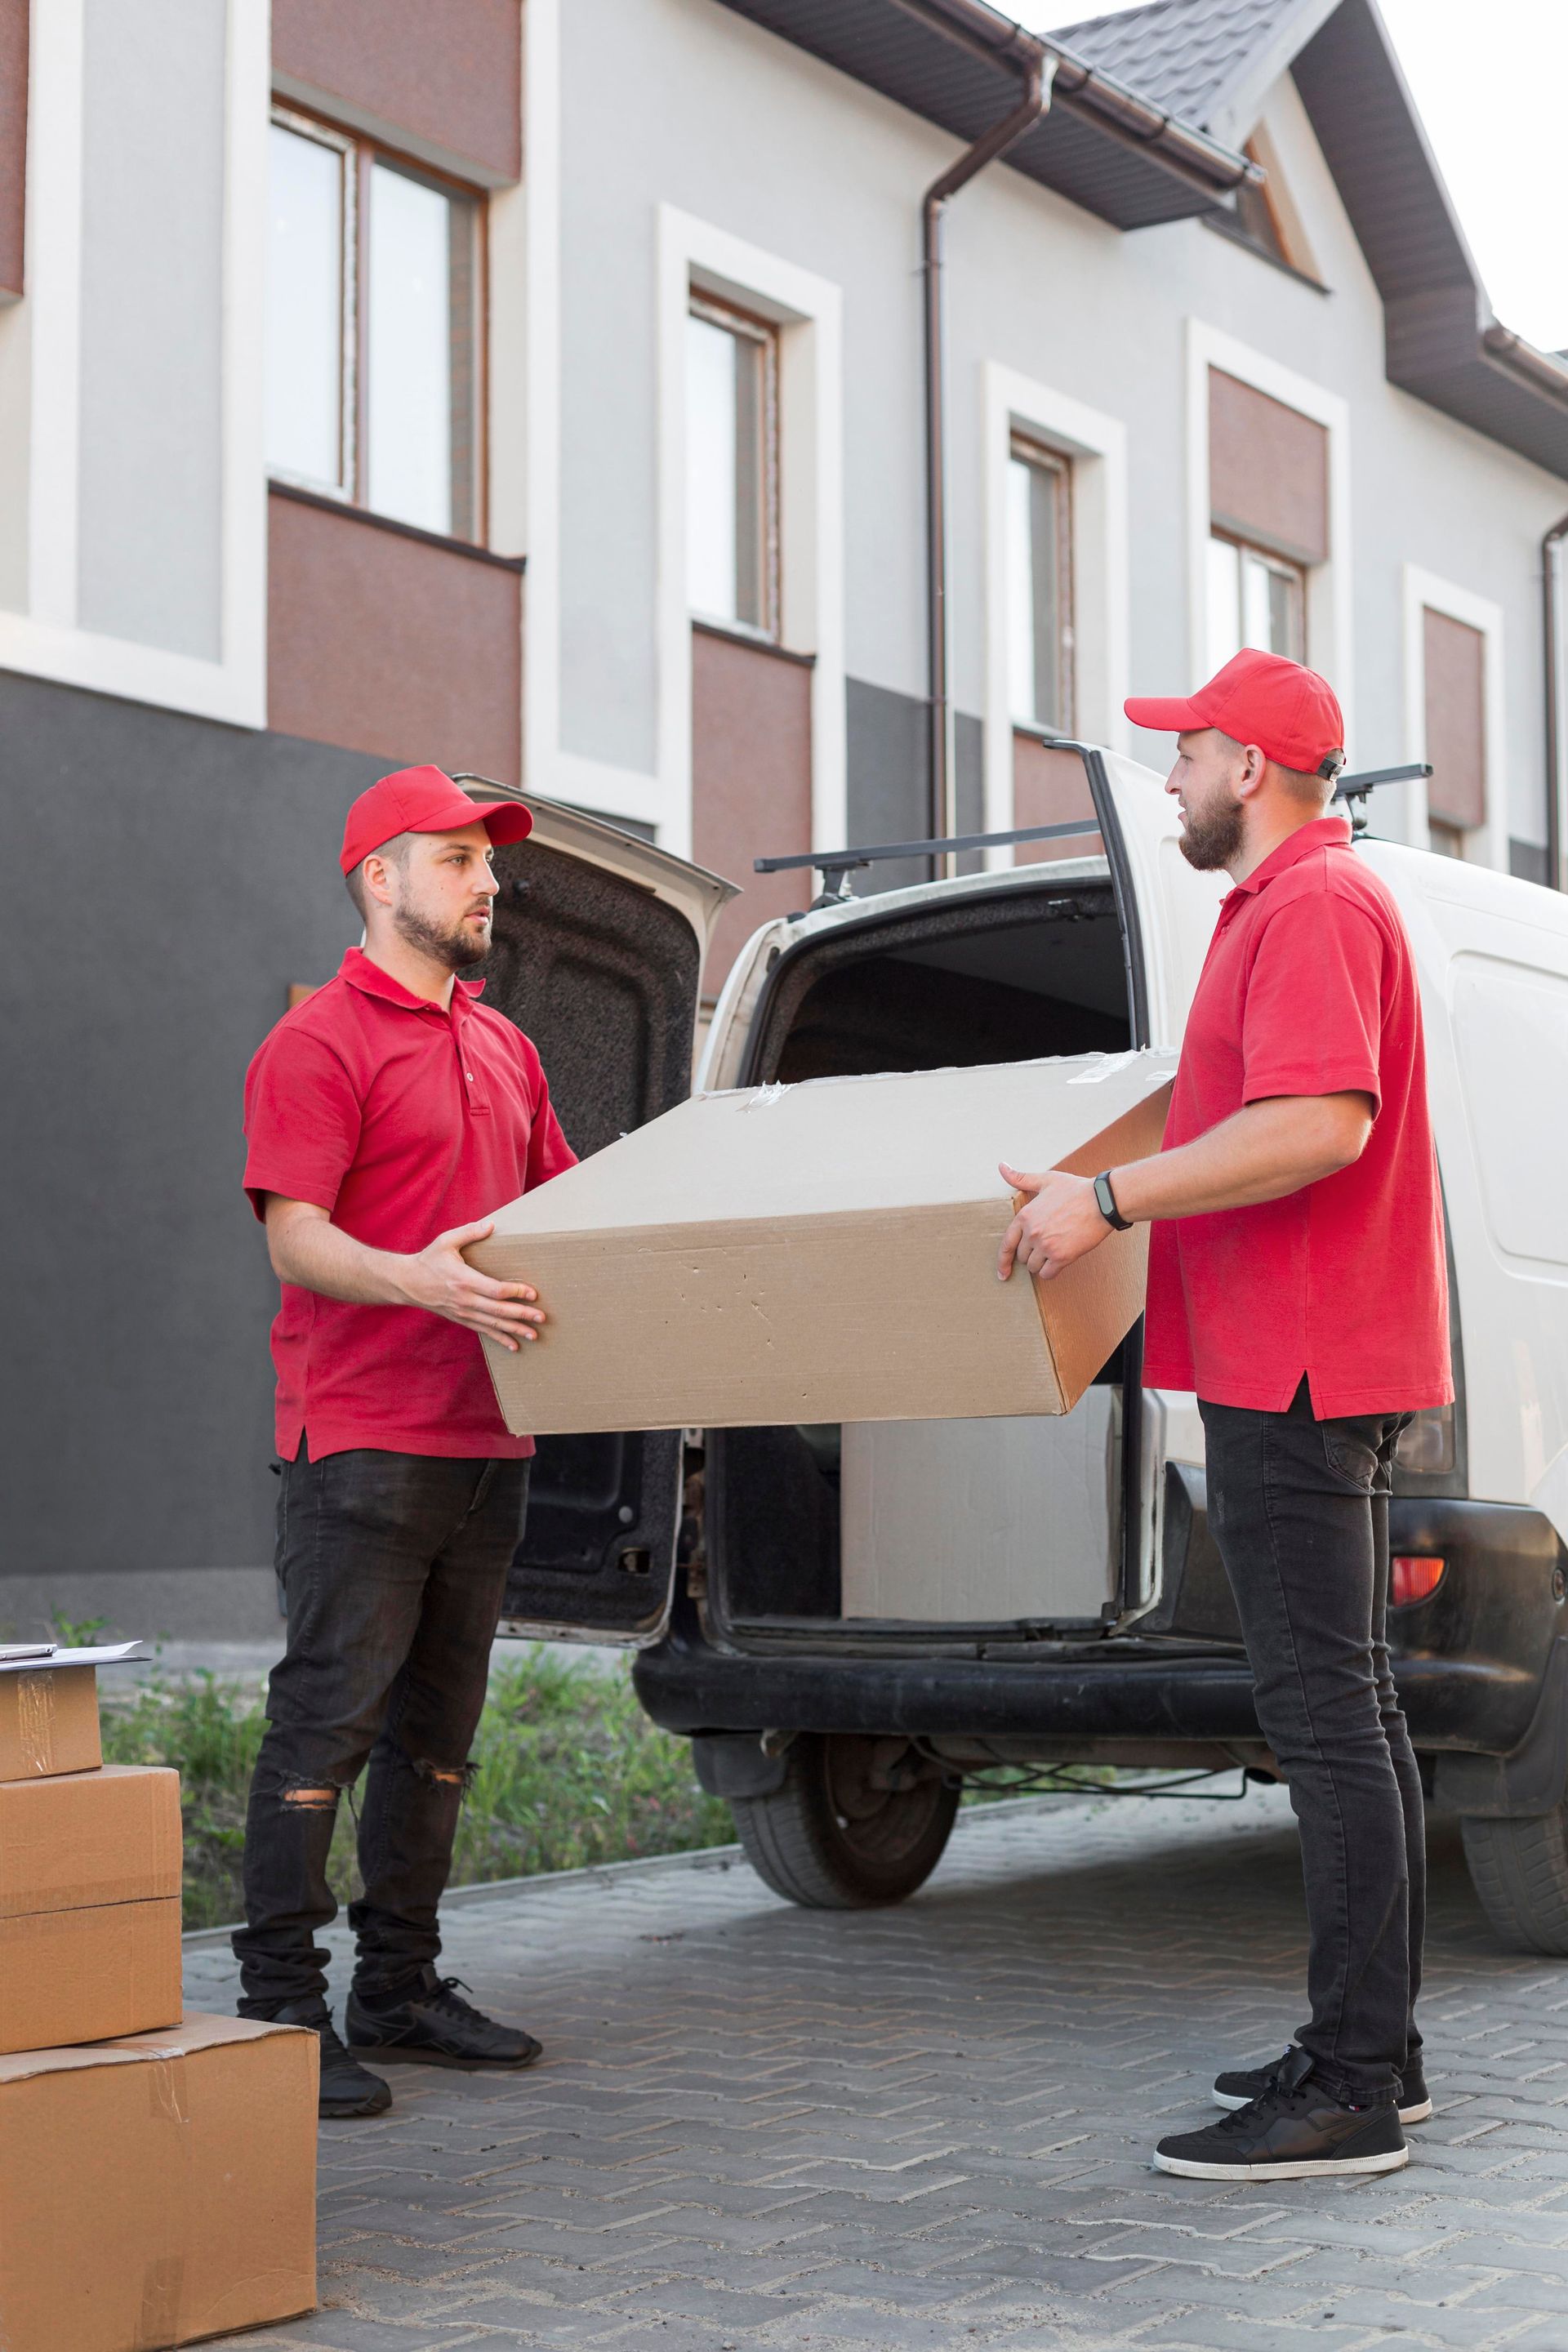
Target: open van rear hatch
(598, 946)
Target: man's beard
(459, 949)
(1212, 840)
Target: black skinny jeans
(394, 1568)
(1299, 1510)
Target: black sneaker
(347, 2088)
(1293, 2132)
(429, 2022)
(1239, 2089)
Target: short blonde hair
(394, 851)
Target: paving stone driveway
(929, 2128)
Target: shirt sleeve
(548, 1150)
(301, 1121)
(1313, 1017)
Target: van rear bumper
(1471, 1662)
(688, 1686)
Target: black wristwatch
(1108, 1208)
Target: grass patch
(569, 1771)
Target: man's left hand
(1058, 1223)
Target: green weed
(568, 1771)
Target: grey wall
(170, 878)
(151, 322)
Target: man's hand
(1058, 1223)
(309, 1249)
(441, 1279)
(1270, 1148)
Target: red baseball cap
(425, 800)
(1290, 713)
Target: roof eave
(1442, 342)
(954, 63)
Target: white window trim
(1097, 443)
(525, 464)
(45, 641)
(1487, 845)
(1331, 642)
(807, 310)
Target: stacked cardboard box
(157, 2176)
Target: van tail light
(1415, 1576)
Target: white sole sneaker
(1416, 2114)
(1308, 2168)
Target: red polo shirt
(401, 1121)
(1307, 989)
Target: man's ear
(1254, 768)
(377, 882)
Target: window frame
(1422, 591)
(1027, 449)
(733, 319)
(360, 154)
(1270, 560)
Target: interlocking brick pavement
(928, 2129)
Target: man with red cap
(1297, 1282)
(388, 1118)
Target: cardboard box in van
(825, 1252)
(89, 1905)
(157, 2189)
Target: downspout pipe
(1038, 68)
(1550, 575)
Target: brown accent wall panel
(1049, 787)
(1456, 666)
(391, 645)
(1269, 470)
(13, 142)
(447, 70)
(750, 781)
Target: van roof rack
(835, 865)
(1356, 788)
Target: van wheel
(1520, 1870)
(833, 1839)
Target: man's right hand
(309, 1249)
(439, 1278)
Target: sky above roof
(1491, 108)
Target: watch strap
(1108, 1208)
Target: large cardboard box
(89, 1906)
(824, 1251)
(157, 2189)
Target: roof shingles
(1180, 53)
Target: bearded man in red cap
(1296, 1283)
(387, 1118)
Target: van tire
(830, 1841)
(1520, 1870)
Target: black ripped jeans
(394, 1568)
(1299, 1510)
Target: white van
(848, 1622)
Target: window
(732, 467)
(1039, 587)
(1255, 599)
(1255, 212)
(1454, 668)
(1267, 217)
(372, 315)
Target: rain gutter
(1045, 70)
